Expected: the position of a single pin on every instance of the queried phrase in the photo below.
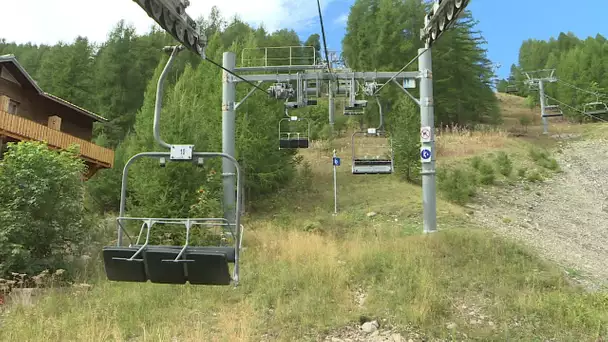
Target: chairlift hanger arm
(159, 93)
(381, 112)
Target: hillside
(309, 275)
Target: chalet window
(12, 106)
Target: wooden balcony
(19, 128)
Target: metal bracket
(228, 106)
(426, 73)
(428, 101)
(227, 77)
(238, 104)
(407, 92)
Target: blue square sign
(336, 161)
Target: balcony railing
(23, 129)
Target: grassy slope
(302, 268)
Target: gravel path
(565, 217)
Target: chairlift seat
(353, 112)
(165, 272)
(293, 143)
(123, 270)
(230, 252)
(552, 115)
(372, 166)
(208, 268)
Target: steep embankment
(565, 217)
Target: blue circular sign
(425, 154)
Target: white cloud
(50, 21)
(341, 20)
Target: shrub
(476, 162)
(542, 158)
(487, 176)
(504, 164)
(535, 176)
(458, 184)
(42, 208)
(521, 172)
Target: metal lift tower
(171, 15)
(536, 80)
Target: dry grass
(455, 141)
(296, 285)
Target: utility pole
(228, 134)
(427, 140)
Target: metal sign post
(336, 163)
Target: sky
(503, 23)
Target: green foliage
(406, 141)
(504, 164)
(486, 174)
(42, 210)
(542, 158)
(521, 172)
(457, 184)
(380, 33)
(476, 162)
(577, 62)
(534, 176)
(525, 121)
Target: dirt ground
(565, 218)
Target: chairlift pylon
(290, 138)
(199, 265)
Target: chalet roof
(4, 59)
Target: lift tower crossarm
(367, 76)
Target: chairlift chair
(289, 138)
(552, 111)
(199, 265)
(372, 164)
(511, 89)
(595, 108)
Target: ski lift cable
(324, 39)
(583, 90)
(237, 76)
(400, 71)
(575, 109)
